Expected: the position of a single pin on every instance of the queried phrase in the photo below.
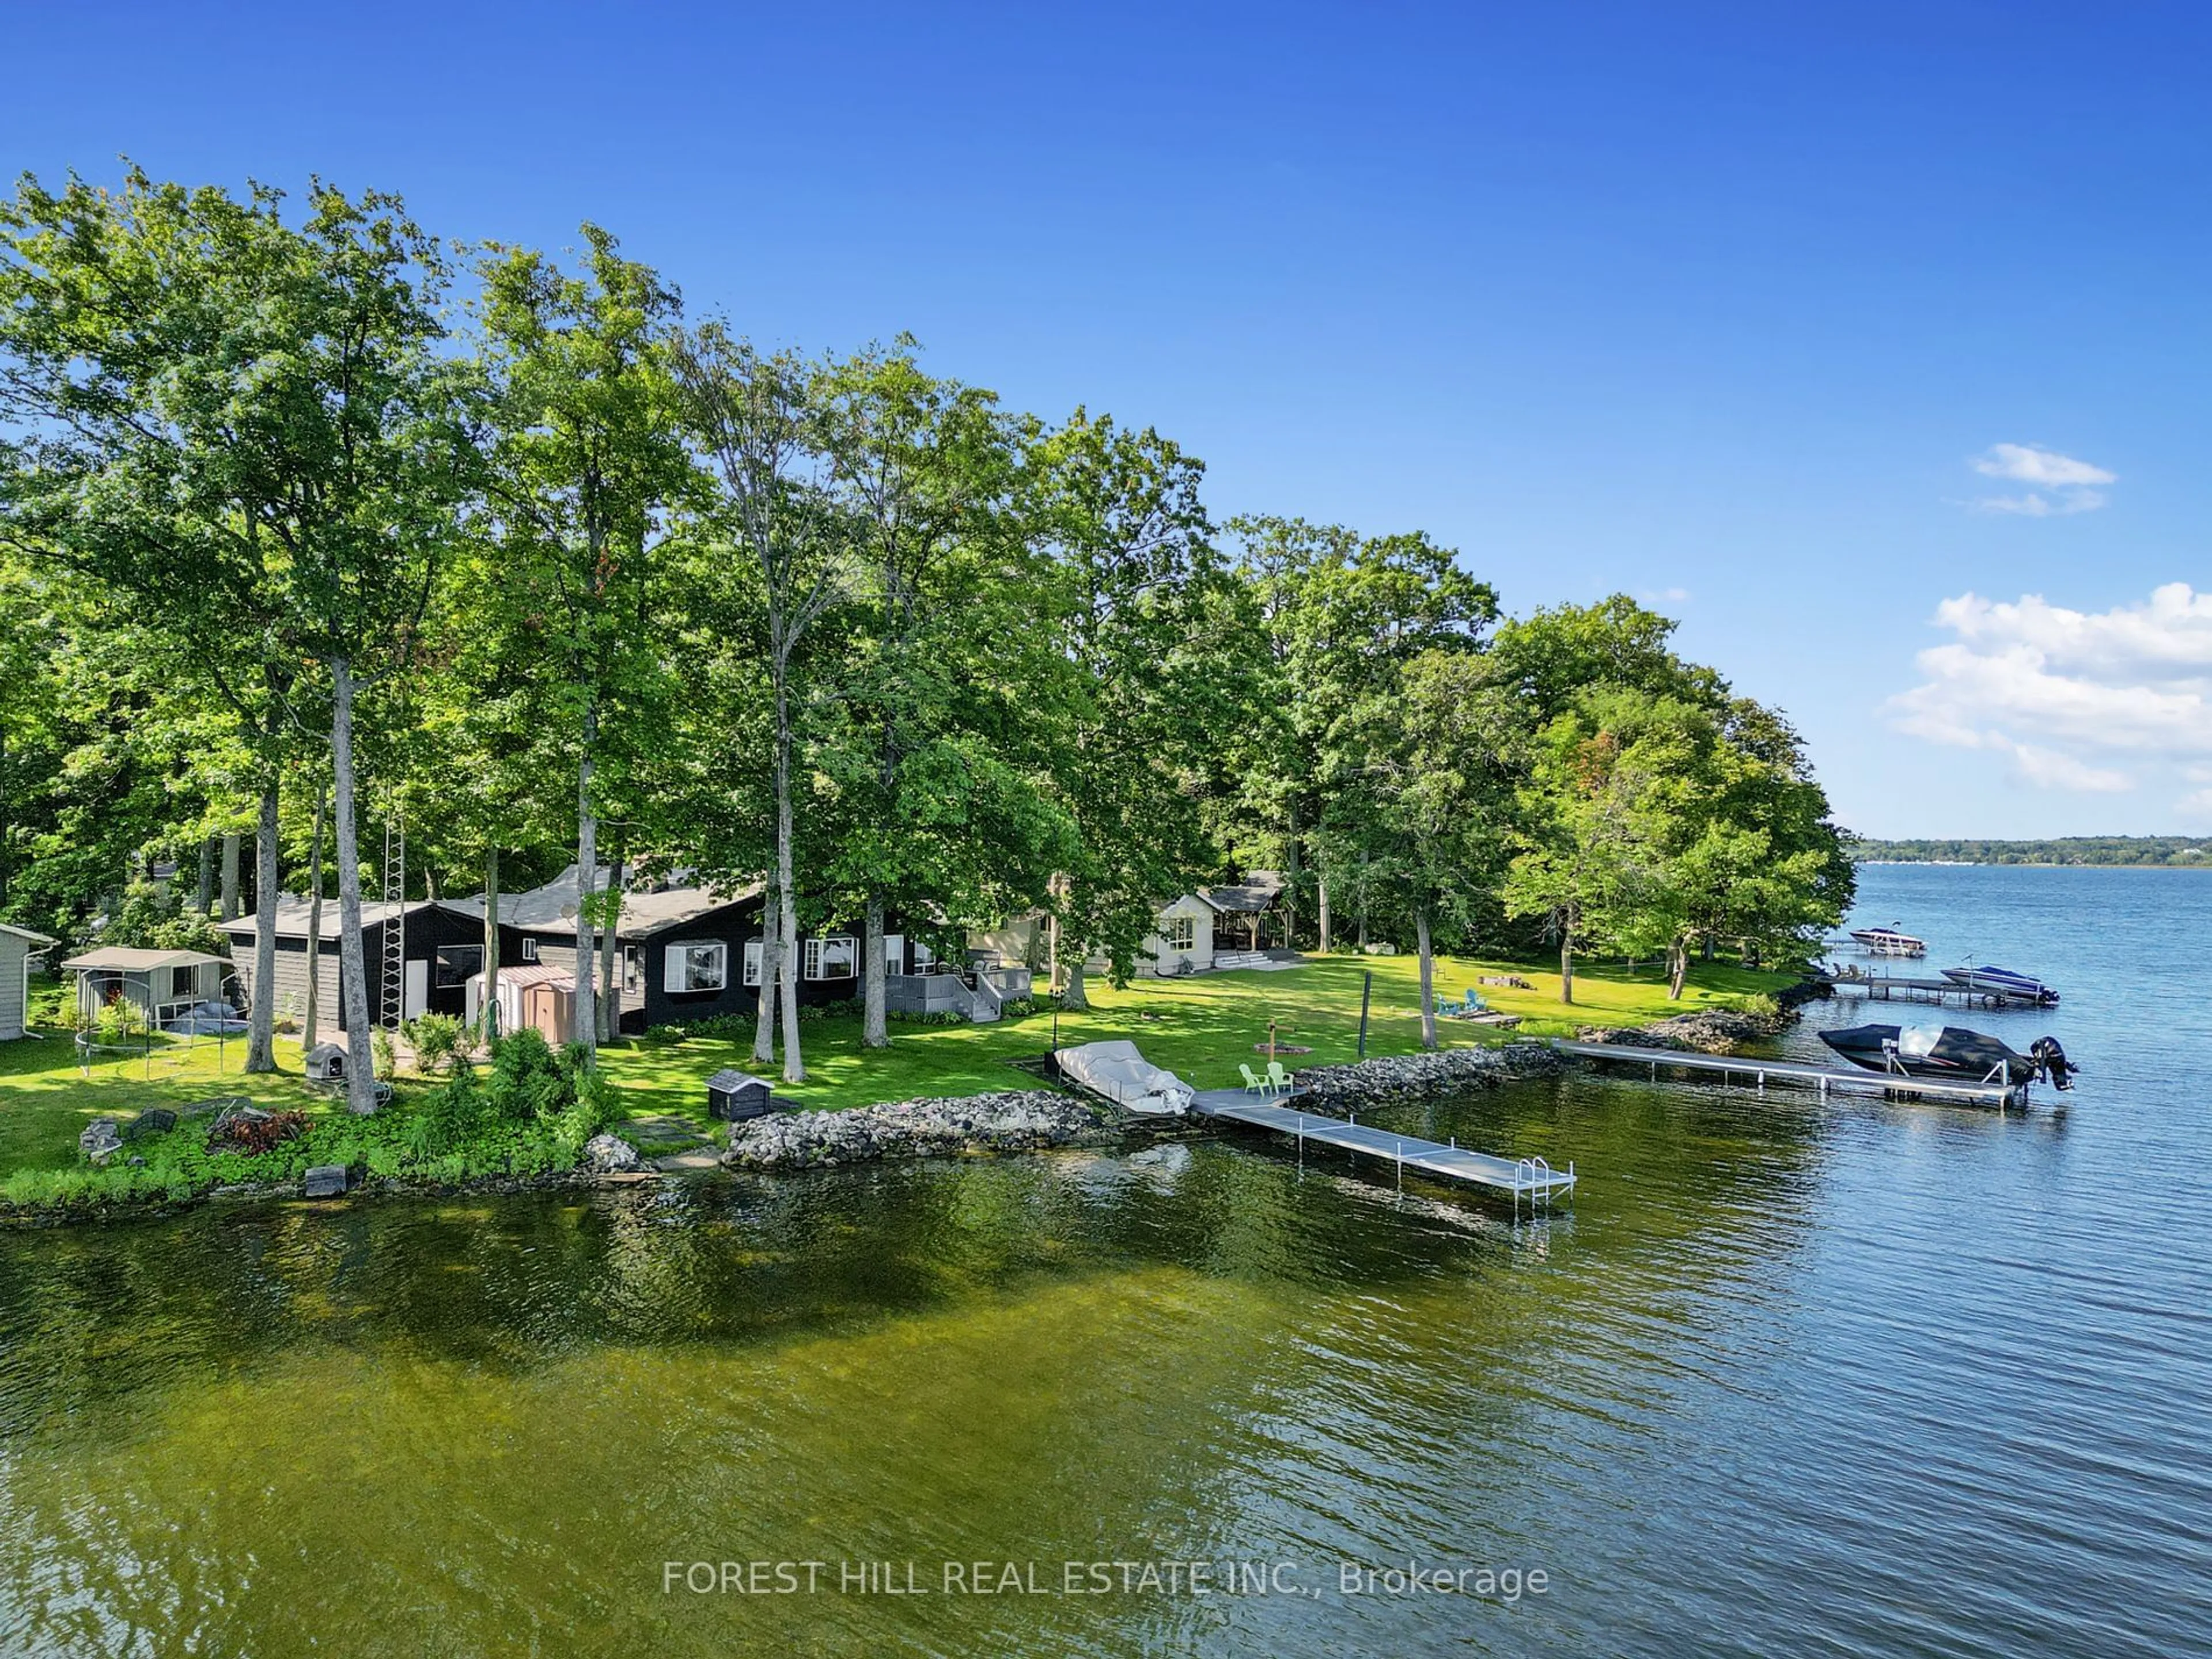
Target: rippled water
(1860, 1377)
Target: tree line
(313, 523)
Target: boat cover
(1124, 1076)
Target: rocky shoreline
(1403, 1077)
(1009, 1120)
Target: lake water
(1867, 1377)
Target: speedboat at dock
(1950, 1054)
(2003, 982)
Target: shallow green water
(1875, 1378)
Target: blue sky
(1721, 306)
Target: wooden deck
(1822, 1077)
(1533, 1177)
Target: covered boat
(1124, 1076)
(1890, 942)
(2003, 982)
(1949, 1054)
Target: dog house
(733, 1096)
(326, 1063)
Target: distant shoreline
(2059, 852)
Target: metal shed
(161, 984)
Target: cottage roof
(1259, 890)
(120, 959)
(552, 909)
(24, 933)
(292, 910)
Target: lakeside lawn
(1199, 1027)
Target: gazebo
(160, 984)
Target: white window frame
(529, 949)
(815, 954)
(679, 978)
(633, 972)
(925, 959)
(755, 960)
(1179, 933)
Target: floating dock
(2002, 1095)
(1531, 1177)
(1893, 988)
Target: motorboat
(1890, 942)
(1950, 1054)
(1122, 1075)
(2002, 982)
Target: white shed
(162, 983)
(17, 946)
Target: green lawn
(1199, 1027)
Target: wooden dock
(1895, 987)
(1531, 1177)
(1764, 1071)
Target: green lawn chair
(1278, 1079)
(1253, 1085)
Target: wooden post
(1366, 990)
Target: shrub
(440, 1043)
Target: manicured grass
(1200, 1028)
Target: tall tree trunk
(764, 993)
(229, 878)
(610, 949)
(310, 1026)
(353, 964)
(1677, 968)
(794, 1062)
(584, 1024)
(1428, 977)
(261, 1029)
(1322, 917)
(875, 1029)
(1295, 870)
(204, 896)
(1567, 959)
(490, 1011)
(1075, 996)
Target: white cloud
(2068, 480)
(2025, 464)
(2081, 701)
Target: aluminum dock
(1531, 1177)
(1893, 988)
(2002, 1096)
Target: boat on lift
(1889, 942)
(1951, 1053)
(2003, 982)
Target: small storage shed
(536, 995)
(162, 983)
(733, 1096)
(17, 946)
(326, 1063)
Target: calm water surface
(1862, 1378)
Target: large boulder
(606, 1154)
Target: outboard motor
(2050, 1062)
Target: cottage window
(1179, 933)
(530, 950)
(458, 964)
(925, 959)
(633, 977)
(833, 957)
(698, 967)
(183, 982)
(755, 949)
